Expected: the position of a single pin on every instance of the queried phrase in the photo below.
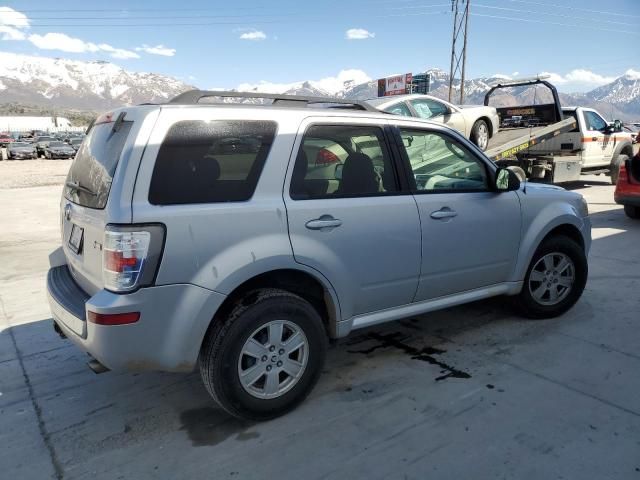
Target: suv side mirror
(505, 180)
(617, 126)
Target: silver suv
(240, 238)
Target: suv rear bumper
(167, 337)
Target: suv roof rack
(192, 97)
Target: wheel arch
(565, 224)
(312, 287)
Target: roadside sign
(405, 83)
(395, 85)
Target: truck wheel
(632, 211)
(266, 356)
(615, 167)
(555, 278)
(480, 134)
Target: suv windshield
(91, 173)
(56, 144)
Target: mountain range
(57, 83)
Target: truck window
(594, 121)
(570, 114)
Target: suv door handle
(325, 222)
(443, 213)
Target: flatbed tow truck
(555, 144)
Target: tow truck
(554, 144)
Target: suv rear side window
(205, 162)
(342, 161)
(95, 163)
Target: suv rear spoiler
(192, 97)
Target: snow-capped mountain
(75, 84)
(54, 82)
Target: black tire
(223, 345)
(614, 171)
(478, 137)
(528, 305)
(632, 211)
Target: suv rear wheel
(555, 279)
(266, 357)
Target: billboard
(405, 83)
(394, 85)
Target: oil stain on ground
(209, 426)
(425, 354)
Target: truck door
(598, 145)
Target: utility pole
(460, 24)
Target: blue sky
(584, 43)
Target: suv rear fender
(554, 215)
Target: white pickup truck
(557, 144)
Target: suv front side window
(342, 161)
(439, 163)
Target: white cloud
(253, 35)
(358, 34)
(578, 79)
(65, 43)
(328, 85)
(12, 24)
(586, 76)
(515, 74)
(633, 74)
(157, 50)
(10, 33)
(501, 76)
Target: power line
(555, 5)
(530, 20)
(519, 10)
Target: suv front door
(470, 233)
(348, 218)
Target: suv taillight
(130, 256)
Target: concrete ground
(526, 400)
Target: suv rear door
(98, 191)
(470, 233)
(348, 216)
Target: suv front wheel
(555, 279)
(266, 356)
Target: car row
(54, 146)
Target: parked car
(60, 150)
(244, 262)
(75, 143)
(5, 139)
(21, 151)
(41, 143)
(627, 191)
(476, 122)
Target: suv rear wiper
(78, 187)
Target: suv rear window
(205, 162)
(95, 163)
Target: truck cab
(594, 140)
